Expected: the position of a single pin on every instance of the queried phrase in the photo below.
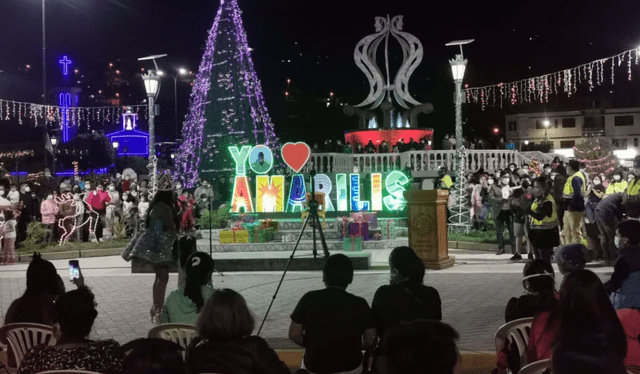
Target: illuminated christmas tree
(535, 167)
(597, 154)
(226, 107)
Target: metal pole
(44, 58)
(458, 116)
(175, 97)
(152, 131)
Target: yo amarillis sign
(271, 194)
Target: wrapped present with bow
(359, 229)
(352, 244)
(261, 235)
(389, 229)
(371, 219)
(342, 225)
(234, 236)
(269, 224)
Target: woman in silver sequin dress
(155, 244)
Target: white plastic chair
(180, 333)
(538, 367)
(518, 332)
(21, 337)
(68, 372)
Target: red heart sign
(296, 155)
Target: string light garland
(597, 154)
(17, 154)
(238, 114)
(44, 114)
(537, 89)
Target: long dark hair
(585, 307)
(165, 197)
(539, 281)
(408, 264)
(199, 268)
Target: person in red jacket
(98, 200)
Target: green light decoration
(394, 183)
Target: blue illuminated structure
(67, 100)
(135, 142)
(65, 65)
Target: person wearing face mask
(48, 209)
(499, 198)
(573, 195)
(14, 195)
(546, 170)
(605, 181)
(608, 213)
(543, 229)
(625, 280)
(113, 206)
(98, 201)
(406, 298)
(618, 184)
(206, 189)
(595, 193)
(30, 210)
(476, 202)
(4, 202)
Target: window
(512, 126)
(540, 123)
(623, 121)
(568, 122)
(619, 143)
(567, 143)
(594, 122)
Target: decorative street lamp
(460, 213)
(54, 144)
(115, 145)
(152, 86)
(546, 124)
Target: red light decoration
(496, 130)
(392, 136)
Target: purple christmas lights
(189, 155)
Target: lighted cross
(65, 65)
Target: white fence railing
(418, 161)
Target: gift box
(370, 218)
(342, 226)
(269, 224)
(359, 229)
(260, 235)
(352, 244)
(388, 229)
(234, 236)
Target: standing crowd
(95, 208)
(563, 205)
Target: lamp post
(460, 212)
(54, 144)
(44, 57)
(115, 144)
(546, 124)
(181, 71)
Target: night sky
(512, 42)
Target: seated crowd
(583, 325)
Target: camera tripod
(312, 220)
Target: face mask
(616, 177)
(512, 168)
(1, 192)
(49, 197)
(526, 171)
(547, 170)
(616, 240)
(553, 177)
(505, 181)
(490, 182)
(111, 188)
(27, 189)
(596, 182)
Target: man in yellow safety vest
(573, 196)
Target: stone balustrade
(490, 160)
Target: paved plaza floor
(474, 294)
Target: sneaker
(516, 257)
(500, 252)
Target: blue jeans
(505, 218)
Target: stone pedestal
(428, 234)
